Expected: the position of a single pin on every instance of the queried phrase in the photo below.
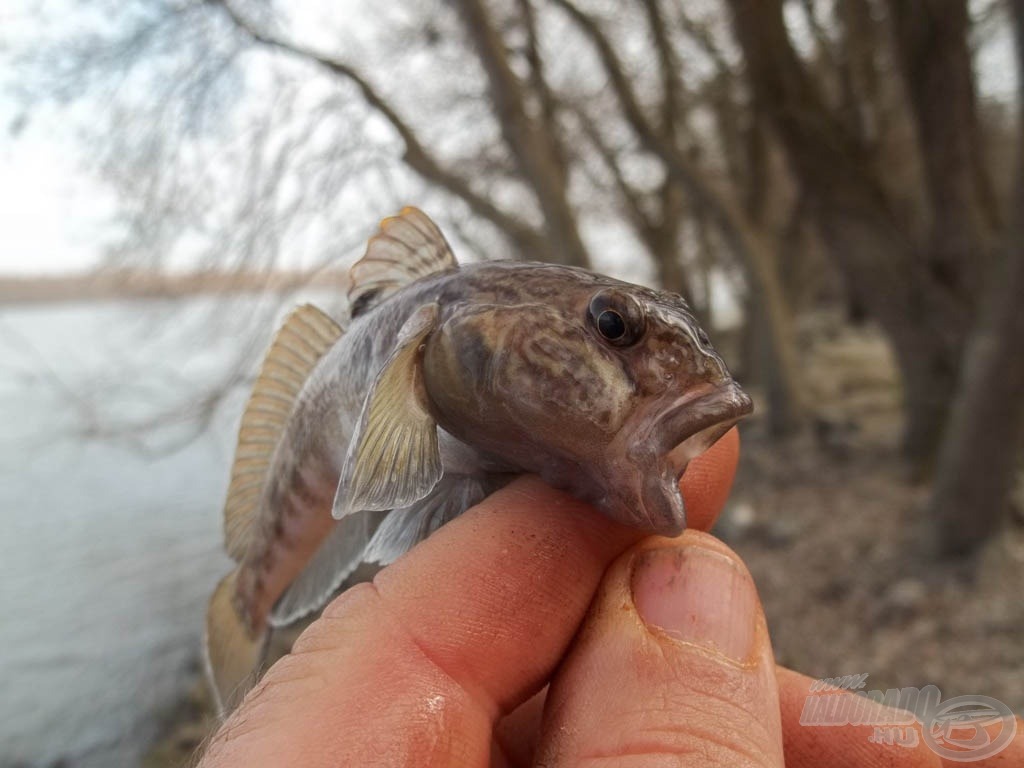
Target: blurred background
(836, 187)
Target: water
(110, 546)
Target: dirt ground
(833, 546)
(830, 524)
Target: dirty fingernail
(699, 596)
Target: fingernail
(698, 596)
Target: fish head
(603, 388)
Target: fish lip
(658, 444)
(697, 420)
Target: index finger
(706, 483)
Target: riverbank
(115, 284)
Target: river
(110, 540)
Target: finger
(840, 746)
(673, 666)
(706, 483)
(516, 734)
(1011, 756)
(415, 668)
(705, 487)
(812, 737)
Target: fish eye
(611, 325)
(617, 317)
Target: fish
(448, 382)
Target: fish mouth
(656, 449)
(697, 420)
(680, 433)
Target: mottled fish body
(448, 382)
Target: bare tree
(927, 280)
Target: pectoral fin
(404, 527)
(393, 459)
(338, 556)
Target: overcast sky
(52, 211)
(55, 216)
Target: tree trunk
(975, 471)
(775, 337)
(781, 419)
(931, 45)
(770, 306)
(979, 453)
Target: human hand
(656, 653)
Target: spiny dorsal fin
(301, 341)
(407, 247)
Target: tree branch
(671, 87)
(821, 41)
(702, 36)
(723, 212)
(525, 238)
(632, 198)
(533, 148)
(549, 105)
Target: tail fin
(233, 652)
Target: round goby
(449, 381)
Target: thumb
(673, 665)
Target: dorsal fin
(407, 247)
(301, 341)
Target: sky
(56, 216)
(54, 213)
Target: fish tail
(234, 652)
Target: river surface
(110, 539)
